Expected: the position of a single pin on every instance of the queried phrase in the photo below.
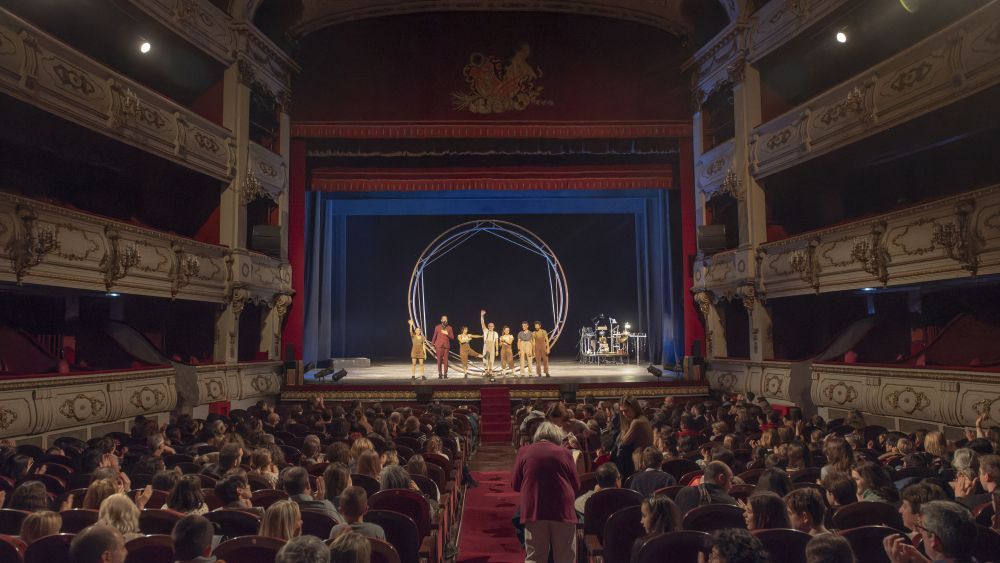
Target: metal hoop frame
(506, 231)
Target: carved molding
(82, 407)
(908, 400)
(28, 246)
(147, 398)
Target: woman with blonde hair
(40, 524)
(119, 512)
(97, 492)
(434, 445)
(936, 445)
(358, 447)
(282, 520)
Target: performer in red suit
(443, 335)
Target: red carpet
(487, 534)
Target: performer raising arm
(490, 342)
(417, 351)
(524, 340)
(443, 335)
(541, 349)
(464, 350)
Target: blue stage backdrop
(356, 277)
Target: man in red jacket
(443, 335)
(545, 475)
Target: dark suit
(646, 482)
(690, 497)
(320, 505)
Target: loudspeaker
(266, 239)
(339, 375)
(711, 238)
(655, 371)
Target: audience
(192, 539)
(304, 549)
(295, 481)
(607, 478)
(282, 520)
(949, 534)
(806, 511)
(659, 516)
(829, 548)
(354, 505)
(734, 545)
(40, 524)
(717, 478)
(98, 544)
(350, 547)
(765, 511)
(651, 477)
(119, 512)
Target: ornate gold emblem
(496, 88)
(146, 398)
(81, 407)
(841, 393)
(908, 400)
(7, 417)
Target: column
(715, 325)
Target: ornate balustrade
(38, 69)
(950, 397)
(720, 273)
(944, 68)
(714, 172)
(267, 174)
(771, 379)
(39, 405)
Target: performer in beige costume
(465, 350)
(524, 349)
(506, 352)
(418, 353)
(541, 349)
(490, 344)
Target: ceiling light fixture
(145, 47)
(841, 36)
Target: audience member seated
(99, 490)
(913, 497)
(765, 511)
(874, 484)
(660, 515)
(829, 548)
(186, 496)
(650, 477)
(806, 511)
(118, 511)
(192, 539)
(839, 456)
(30, 496)
(304, 549)
(840, 489)
(988, 477)
(282, 520)
(607, 478)
(416, 465)
(369, 464)
(949, 533)
(354, 505)
(262, 465)
(717, 478)
(773, 480)
(295, 481)
(40, 524)
(734, 545)
(234, 492)
(98, 544)
(350, 547)
(395, 477)
(336, 478)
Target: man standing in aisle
(443, 335)
(541, 349)
(490, 341)
(524, 348)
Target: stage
(391, 382)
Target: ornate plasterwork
(908, 400)
(29, 245)
(7, 418)
(82, 407)
(147, 398)
(703, 299)
(871, 253)
(119, 259)
(841, 393)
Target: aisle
(487, 534)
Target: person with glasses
(949, 534)
(733, 545)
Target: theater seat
(670, 491)
(987, 544)
(249, 549)
(77, 519)
(713, 517)
(158, 521)
(867, 513)
(369, 484)
(784, 545)
(11, 549)
(157, 548)
(235, 523)
(401, 531)
(676, 547)
(602, 504)
(316, 523)
(620, 532)
(266, 497)
(866, 542)
(383, 552)
(50, 549)
(10, 521)
(679, 467)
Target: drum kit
(605, 341)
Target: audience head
(416, 465)
(548, 432)
(192, 537)
(989, 472)
(966, 463)
(948, 529)
(233, 488)
(914, 496)
(839, 454)
(350, 547)
(40, 524)
(353, 503)
(119, 512)
(394, 477)
(765, 511)
(229, 456)
(295, 481)
(829, 548)
(608, 476)
(336, 477)
(30, 496)
(652, 458)
(370, 464)
(805, 510)
(282, 520)
(735, 545)
(165, 480)
(871, 477)
(186, 496)
(840, 488)
(718, 473)
(660, 515)
(774, 480)
(98, 544)
(304, 549)
(936, 444)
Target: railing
(946, 67)
(36, 405)
(40, 70)
(770, 379)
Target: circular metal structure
(505, 231)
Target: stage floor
(562, 371)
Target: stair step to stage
(495, 420)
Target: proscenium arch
(506, 231)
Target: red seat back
(406, 502)
(10, 521)
(77, 519)
(688, 477)
(266, 497)
(602, 504)
(751, 476)
(987, 544)
(235, 523)
(383, 552)
(249, 549)
(679, 467)
(711, 517)
(867, 513)
(400, 530)
(426, 485)
(158, 521)
(50, 549)
(316, 523)
(866, 542)
(11, 549)
(679, 547)
(157, 548)
(369, 484)
(670, 491)
(620, 532)
(784, 545)
(258, 482)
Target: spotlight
(841, 36)
(113, 294)
(867, 289)
(339, 375)
(655, 371)
(145, 47)
(628, 326)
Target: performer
(464, 350)
(490, 341)
(541, 349)
(506, 352)
(443, 335)
(524, 348)
(417, 351)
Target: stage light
(339, 375)
(145, 47)
(655, 371)
(628, 326)
(867, 289)
(113, 294)
(841, 36)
